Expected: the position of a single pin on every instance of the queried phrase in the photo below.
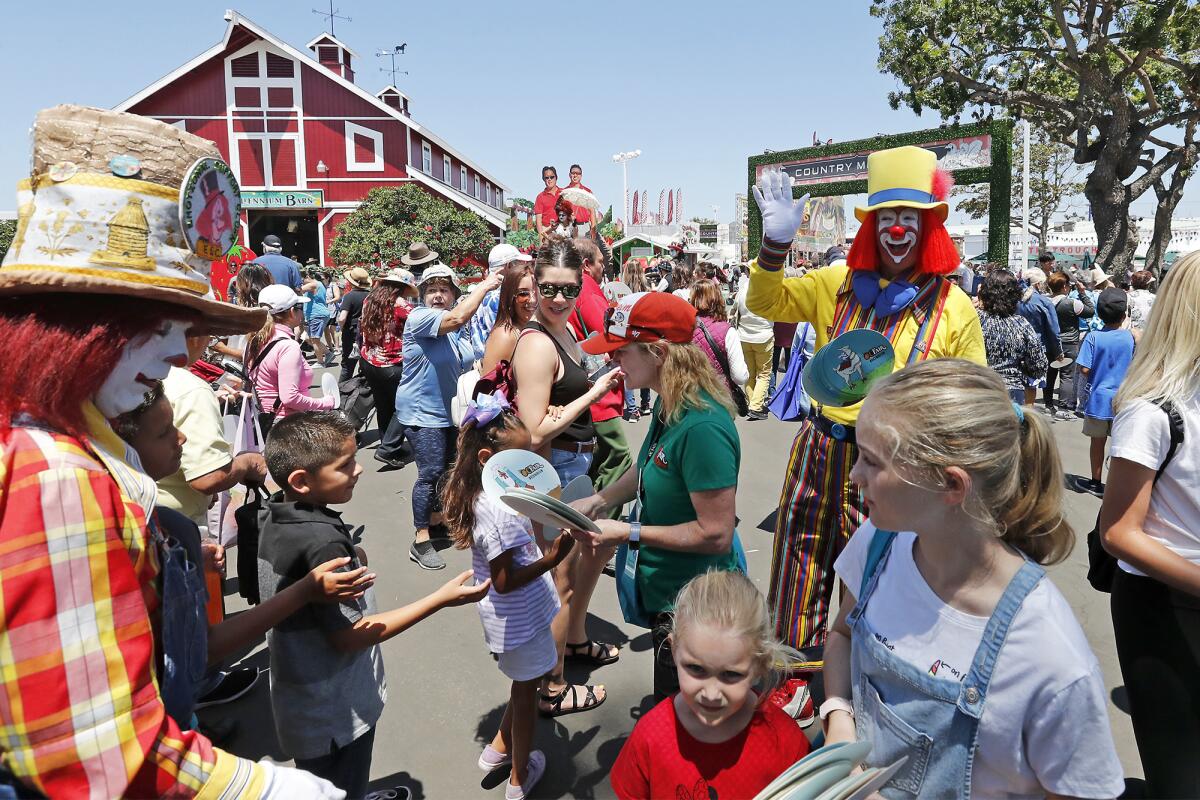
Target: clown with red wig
(893, 282)
(98, 295)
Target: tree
(8, 229)
(703, 221)
(391, 219)
(1118, 81)
(1053, 177)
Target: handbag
(739, 394)
(500, 378)
(247, 552)
(1102, 566)
(790, 402)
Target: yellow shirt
(813, 298)
(198, 415)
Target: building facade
(306, 142)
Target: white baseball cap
(278, 298)
(502, 254)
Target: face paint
(898, 230)
(146, 359)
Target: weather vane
(331, 15)
(398, 50)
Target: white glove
(781, 215)
(329, 385)
(288, 783)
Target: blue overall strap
(881, 542)
(973, 692)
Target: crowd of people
(936, 502)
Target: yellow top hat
(902, 176)
(122, 204)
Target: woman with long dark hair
(516, 306)
(381, 327)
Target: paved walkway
(446, 694)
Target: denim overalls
(184, 637)
(904, 711)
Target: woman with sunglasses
(549, 370)
(515, 308)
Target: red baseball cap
(644, 317)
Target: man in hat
(358, 286)
(283, 270)
(893, 283)
(419, 258)
(96, 307)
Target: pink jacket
(285, 376)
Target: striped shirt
(509, 620)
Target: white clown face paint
(898, 230)
(146, 359)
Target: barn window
(280, 67)
(476, 187)
(426, 158)
(364, 148)
(447, 175)
(245, 66)
(279, 97)
(283, 162)
(250, 162)
(462, 179)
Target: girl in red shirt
(714, 740)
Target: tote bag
(790, 402)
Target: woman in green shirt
(686, 473)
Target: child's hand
(455, 593)
(559, 549)
(331, 586)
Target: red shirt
(662, 760)
(588, 318)
(582, 214)
(544, 204)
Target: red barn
(305, 141)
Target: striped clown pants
(819, 509)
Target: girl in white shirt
(952, 648)
(1150, 520)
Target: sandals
(596, 653)
(590, 701)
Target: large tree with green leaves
(390, 219)
(1118, 81)
(1053, 179)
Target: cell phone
(604, 370)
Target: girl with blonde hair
(952, 649)
(687, 470)
(715, 738)
(1150, 520)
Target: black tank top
(570, 387)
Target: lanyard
(642, 471)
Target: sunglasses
(549, 177)
(524, 294)
(569, 291)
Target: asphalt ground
(446, 694)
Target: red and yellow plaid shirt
(80, 712)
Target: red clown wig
(60, 348)
(938, 255)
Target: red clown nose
(896, 231)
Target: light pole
(1024, 262)
(623, 159)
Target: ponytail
(1032, 520)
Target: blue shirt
(1106, 356)
(483, 322)
(1041, 314)
(318, 306)
(283, 269)
(432, 364)
(1092, 323)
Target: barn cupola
(394, 98)
(333, 55)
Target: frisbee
(842, 372)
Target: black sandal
(587, 651)
(590, 701)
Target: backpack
(1102, 567)
(356, 400)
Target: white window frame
(462, 179)
(477, 187)
(426, 158)
(499, 197)
(352, 162)
(447, 171)
(488, 193)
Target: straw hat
(418, 254)
(400, 277)
(126, 205)
(358, 277)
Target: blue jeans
(568, 465)
(434, 450)
(631, 399)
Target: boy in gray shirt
(327, 683)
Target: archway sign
(975, 153)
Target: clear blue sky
(697, 86)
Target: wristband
(832, 704)
(635, 535)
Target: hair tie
(1020, 412)
(483, 410)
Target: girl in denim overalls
(953, 650)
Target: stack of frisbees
(526, 484)
(825, 774)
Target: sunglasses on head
(569, 291)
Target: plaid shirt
(80, 712)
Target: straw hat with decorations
(125, 205)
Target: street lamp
(623, 159)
